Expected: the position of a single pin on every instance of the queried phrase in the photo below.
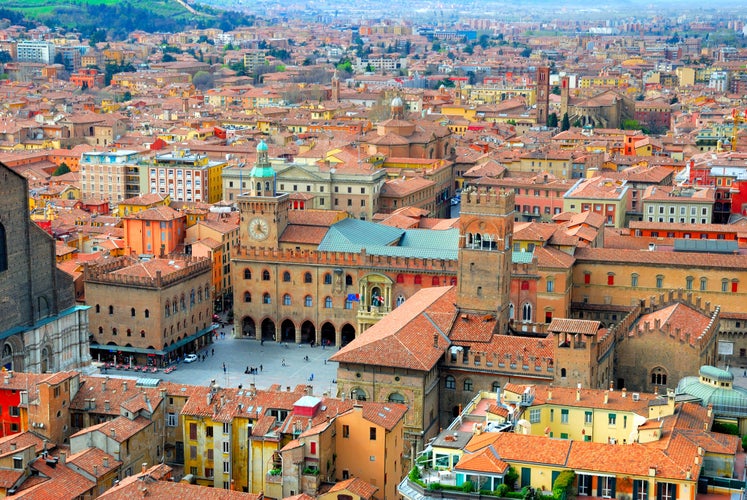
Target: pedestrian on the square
(260, 367)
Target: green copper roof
(522, 257)
(353, 235)
(726, 401)
(261, 147)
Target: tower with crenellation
(486, 226)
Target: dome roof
(262, 147)
(397, 102)
(716, 373)
(728, 401)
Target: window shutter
(599, 486)
(612, 487)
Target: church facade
(43, 330)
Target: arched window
(703, 284)
(400, 278)
(658, 376)
(182, 303)
(167, 310)
(114, 330)
(307, 278)
(550, 285)
(207, 292)
(418, 279)
(400, 299)
(266, 299)
(396, 397)
(435, 281)
(511, 310)
(308, 301)
(286, 277)
(199, 295)
(689, 283)
(453, 281)
(328, 302)
(634, 280)
(468, 384)
(129, 332)
(247, 274)
(348, 280)
(101, 330)
(265, 275)
(327, 279)
(192, 297)
(358, 394)
(286, 300)
(147, 313)
(247, 297)
(659, 281)
(98, 308)
(174, 307)
(724, 286)
(132, 312)
(111, 309)
(526, 312)
(348, 304)
(259, 187)
(450, 382)
(496, 386)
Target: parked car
(190, 357)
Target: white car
(190, 358)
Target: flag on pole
(354, 297)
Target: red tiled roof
(405, 337)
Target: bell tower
(543, 95)
(264, 211)
(486, 226)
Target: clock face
(259, 229)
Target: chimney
(549, 393)
(578, 392)
(13, 446)
(113, 432)
(606, 397)
(106, 462)
(107, 405)
(612, 386)
(144, 467)
(95, 470)
(435, 340)
(652, 470)
(710, 411)
(63, 457)
(308, 425)
(124, 386)
(103, 384)
(624, 392)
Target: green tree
(203, 80)
(526, 52)
(168, 58)
(436, 46)
(565, 123)
(61, 170)
(552, 120)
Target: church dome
(397, 102)
(262, 147)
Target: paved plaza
(238, 354)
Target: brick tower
(543, 95)
(486, 226)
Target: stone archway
(12, 354)
(287, 331)
(347, 334)
(329, 334)
(268, 329)
(248, 328)
(308, 332)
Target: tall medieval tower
(543, 95)
(486, 226)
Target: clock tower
(264, 211)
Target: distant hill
(119, 17)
